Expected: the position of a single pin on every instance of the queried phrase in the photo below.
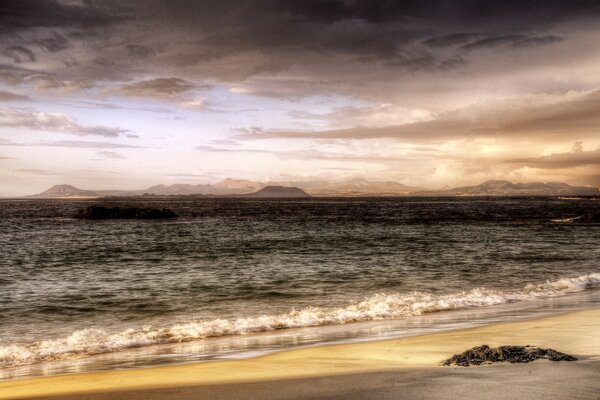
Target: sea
(235, 278)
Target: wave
(88, 342)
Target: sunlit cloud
(431, 94)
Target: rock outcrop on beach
(99, 212)
(513, 354)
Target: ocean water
(236, 278)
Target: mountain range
(346, 188)
(506, 188)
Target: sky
(125, 95)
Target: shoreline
(418, 356)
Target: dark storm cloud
(55, 43)
(513, 40)
(20, 54)
(538, 41)
(453, 39)
(481, 40)
(139, 51)
(98, 41)
(26, 14)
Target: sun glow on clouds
(128, 95)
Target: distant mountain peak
(65, 191)
(507, 188)
(230, 185)
(279, 191)
(349, 187)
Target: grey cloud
(115, 106)
(159, 87)
(538, 41)
(47, 82)
(574, 116)
(25, 14)
(560, 160)
(140, 51)
(220, 40)
(20, 54)
(513, 40)
(452, 39)
(493, 42)
(55, 43)
(9, 96)
(40, 121)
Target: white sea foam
(87, 342)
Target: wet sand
(406, 368)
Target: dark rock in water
(512, 354)
(98, 212)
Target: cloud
(453, 39)
(9, 96)
(159, 87)
(339, 46)
(36, 171)
(560, 160)
(315, 154)
(111, 155)
(538, 41)
(70, 143)
(442, 73)
(572, 115)
(48, 82)
(371, 116)
(512, 40)
(20, 54)
(55, 43)
(41, 121)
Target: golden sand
(575, 333)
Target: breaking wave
(88, 342)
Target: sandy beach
(400, 368)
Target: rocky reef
(512, 354)
(99, 212)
